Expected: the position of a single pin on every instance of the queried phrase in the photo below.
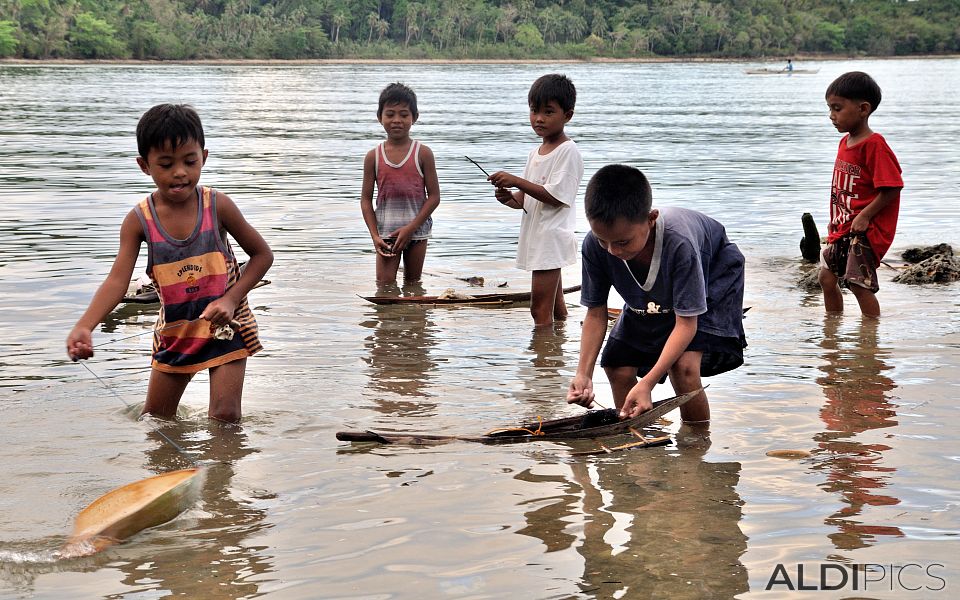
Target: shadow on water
(653, 522)
(400, 359)
(857, 401)
(542, 371)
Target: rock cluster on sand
(809, 280)
(933, 264)
(922, 253)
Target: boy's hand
(638, 401)
(79, 343)
(581, 391)
(860, 223)
(502, 179)
(383, 247)
(401, 238)
(219, 312)
(506, 197)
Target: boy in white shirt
(546, 193)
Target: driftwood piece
(810, 244)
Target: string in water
(166, 438)
(221, 333)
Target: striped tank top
(189, 274)
(400, 193)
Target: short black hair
(173, 124)
(397, 93)
(857, 86)
(553, 87)
(618, 192)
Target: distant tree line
(462, 29)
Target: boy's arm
(366, 204)
(110, 292)
(591, 340)
(884, 197)
(502, 179)
(638, 399)
(221, 311)
(431, 183)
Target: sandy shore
(442, 61)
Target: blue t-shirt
(695, 271)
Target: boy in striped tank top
(204, 320)
(408, 190)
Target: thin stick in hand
(487, 174)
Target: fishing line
(177, 324)
(233, 323)
(176, 447)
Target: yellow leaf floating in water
(791, 454)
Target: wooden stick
(485, 173)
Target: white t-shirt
(547, 238)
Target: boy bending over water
(204, 320)
(682, 281)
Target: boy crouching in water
(682, 281)
(204, 320)
(546, 194)
(864, 197)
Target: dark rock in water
(940, 268)
(922, 253)
(810, 244)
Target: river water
(289, 512)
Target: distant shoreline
(457, 61)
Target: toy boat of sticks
(593, 424)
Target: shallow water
(289, 512)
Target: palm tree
(383, 26)
(338, 20)
(372, 19)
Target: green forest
(473, 29)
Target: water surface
(289, 512)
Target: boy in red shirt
(864, 196)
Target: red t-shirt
(858, 175)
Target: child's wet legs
(685, 377)
(869, 305)
(622, 380)
(387, 267)
(832, 297)
(413, 258)
(543, 296)
(559, 304)
(164, 392)
(226, 389)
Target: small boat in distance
(781, 71)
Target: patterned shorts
(852, 260)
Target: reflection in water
(223, 564)
(856, 392)
(543, 384)
(399, 357)
(653, 523)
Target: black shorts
(720, 354)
